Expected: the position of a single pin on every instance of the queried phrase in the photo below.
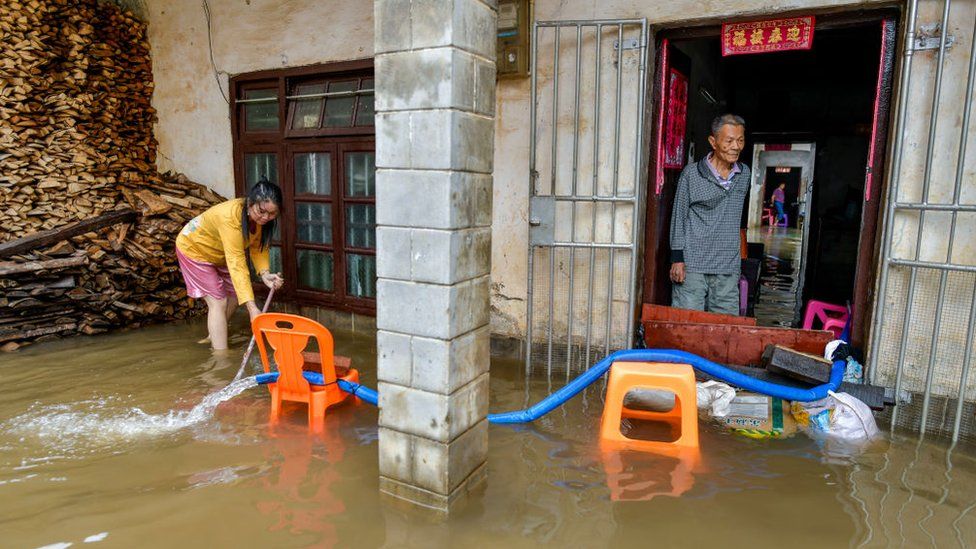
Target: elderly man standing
(705, 260)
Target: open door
(874, 173)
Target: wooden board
(671, 314)
(874, 396)
(808, 367)
(730, 344)
(53, 236)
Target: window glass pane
(338, 110)
(275, 255)
(364, 115)
(261, 116)
(258, 166)
(305, 112)
(361, 275)
(315, 269)
(313, 173)
(360, 168)
(314, 222)
(361, 225)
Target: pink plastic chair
(743, 296)
(831, 317)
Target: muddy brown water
(97, 443)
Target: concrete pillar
(435, 103)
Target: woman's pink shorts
(204, 278)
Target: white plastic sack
(840, 416)
(852, 419)
(715, 397)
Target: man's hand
(272, 280)
(678, 273)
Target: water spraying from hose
(92, 423)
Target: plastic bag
(715, 397)
(854, 373)
(840, 415)
(839, 349)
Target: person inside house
(216, 248)
(778, 199)
(705, 256)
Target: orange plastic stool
(676, 378)
(288, 336)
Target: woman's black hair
(262, 191)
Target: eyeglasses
(259, 210)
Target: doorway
(831, 103)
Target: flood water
(779, 279)
(102, 439)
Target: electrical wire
(206, 13)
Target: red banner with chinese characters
(795, 33)
(677, 116)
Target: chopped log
(154, 204)
(127, 307)
(77, 144)
(11, 268)
(38, 332)
(46, 238)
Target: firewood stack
(76, 144)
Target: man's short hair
(726, 120)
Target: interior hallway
(777, 305)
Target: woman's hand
(272, 280)
(252, 309)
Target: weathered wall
(248, 35)
(194, 125)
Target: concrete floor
(779, 284)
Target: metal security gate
(586, 181)
(923, 322)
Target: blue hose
(733, 377)
(314, 378)
(361, 391)
(585, 379)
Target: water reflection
(779, 280)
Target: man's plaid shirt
(705, 220)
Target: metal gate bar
(954, 208)
(574, 199)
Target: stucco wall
(248, 35)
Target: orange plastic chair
(676, 378)
(288, 336)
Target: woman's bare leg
(231, 307)
(217, 322)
